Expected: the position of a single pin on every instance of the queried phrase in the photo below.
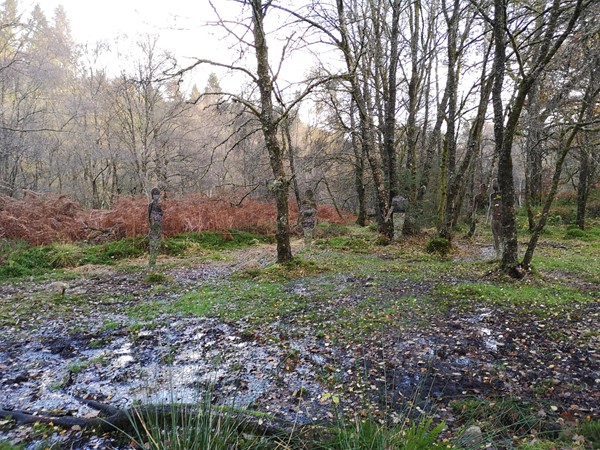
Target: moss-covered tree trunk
(558, 25)
(269, 128)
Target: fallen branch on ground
(126, 420)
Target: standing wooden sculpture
(155, 225)
(308, 217)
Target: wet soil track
(483, 352)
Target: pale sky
(93, 20)
(180, 25)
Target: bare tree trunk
(582, 187)
(359, 171)
(433, 143)
(449, 158)
(592, 91)
(505, 134)
(410, 225)
(584, 175)
(362, 100)
(533, 166)
(389, 132)
(287, 138)
(459, 180)
(370, 150)
(503, 144)
(269, 128)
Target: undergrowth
(18, 259)
(539, 424)
(337, 289)
(47, 218)
(370, 434)
(202, 426)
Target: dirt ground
(54, 354)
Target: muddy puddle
(180, 361)
(281, 368)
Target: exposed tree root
(126, 420)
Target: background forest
(427, 99)
(360, 339)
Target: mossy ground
(385, 307)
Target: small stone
(471, 438)
(58, 287)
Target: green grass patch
(5, 445)
(65, 255)
(327, 230)
(156, 278)
(40, 307)
(505, 418)
(110, 325)
(111, 252)
(25, 261)
(187, 243)
(542, 300)
(439, 246)
(254, 301)
(356, 244)
(589, 235)
(578, 259)
(297, 268)
(370, 434)
(591, 432)
(18, 259)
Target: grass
(542, 300)
(326, 230)
(40, 307)
(254, 301)
(5, 445)
(347, 290)
(372, 435)
(535, 421)
(189, 243)
(439, 246)
(19, 260)
(204, 426)
(355, 244)
(193, 427)
(299, 267)
(156, 278)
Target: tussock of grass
(370, 434)
(193, 427)
(439, 246)
(502, 419)
(297, 268)
(326, 230)
(156, 278)
(355, 244)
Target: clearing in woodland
(349, 332)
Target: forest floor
(349, 329)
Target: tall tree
(568, 134)
(559, 19)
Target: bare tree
(559, 20)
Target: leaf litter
(366, 345)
